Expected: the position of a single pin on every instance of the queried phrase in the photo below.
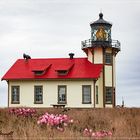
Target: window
(86, 94)
(108, 95)
(108, 58)
(62, 94)
(39, 73)
(97, 101)
(62, 72)
(15, 91)
(38, 94)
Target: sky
(54, 28)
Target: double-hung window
(86, 94)
(108, 58)
(38, 94)
(15, 92)
(62, 91)
(108, 95)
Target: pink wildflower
(25, 112)
(109, 133)
(86, 132)
(54, 120)
(98, 134)
(93, 134)
(60, 129)
(71, 121)
(65, 124)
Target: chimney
(71, 55)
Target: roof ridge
(56, 58)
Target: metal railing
(93, 43)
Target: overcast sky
(53, 28)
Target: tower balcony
(91, 43)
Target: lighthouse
(82, 82)
(102, 49)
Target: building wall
(90, 56)
(108, 105)
(99, 83)
(98, 56)
(108, 75)
(50, 93)
(114, 70)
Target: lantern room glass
(101, 33)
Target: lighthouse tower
(101, 49)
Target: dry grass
(123, 122)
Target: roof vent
(71, 55)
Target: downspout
(8, 93)
(104, 77)
(113, 86)
(94, 82)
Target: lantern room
(101, 35)
(101, 30)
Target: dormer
(63, 69)
(40, 69)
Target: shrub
(99, 134)
(25, 112)
(58, 121)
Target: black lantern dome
(100, 21)
(100, 35)
(101, 29)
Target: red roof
(79, 68)
(67, 66)
(40, 67)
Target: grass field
(124, 123)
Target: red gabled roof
(81, 68)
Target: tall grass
(124, 123)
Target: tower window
(108, 95)
(38, 94)
(108, 58)
(86, 94)
(15, 91)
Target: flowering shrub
(58, 121)
(98, 134)
(25, 112)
